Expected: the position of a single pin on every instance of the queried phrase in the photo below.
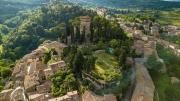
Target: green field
(169, 17)
(106, 67)
(163, 17)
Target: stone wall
(31, 67)
(4, 95)
(70, 96)
(144, 86)
(90, 96)
(172, 46)
(31, 75)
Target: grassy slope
(166, 90)
(106, 66)
(106, 69)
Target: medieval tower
(85, 23)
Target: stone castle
(31, 77)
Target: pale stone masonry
(155, 30)
(149, 48)
(137, 34)
(170, 30)
(31, 75)
(70, 96)
(44, 88)
(101, 11)
(18, 94)
(4, 95)
(37, 97)
(144, 86)
(139, 47)
(48, 73)
(85, 23)
(57, 65)
(90, 96)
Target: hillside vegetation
(165, 90)
(155, 4)
(9, 8)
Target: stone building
(155, 29)
(57, 65)
(48, 73)
(101, 11)
(44, 88)
(147, 24)
(37, 97)
(30, 83)
(4, 95)
(170, 30)
(85, 24)
(137, 34)
(31, 75)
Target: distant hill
(9, 8)
(159, 4)
(27, 1)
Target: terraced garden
(106, 67)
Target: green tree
(153, 63)
(122, 59)
(114, 43)
(78, 63)
(89, 63)
(63, 82)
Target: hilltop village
(35, 76)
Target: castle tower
(85, 23)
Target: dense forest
(9, 8)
